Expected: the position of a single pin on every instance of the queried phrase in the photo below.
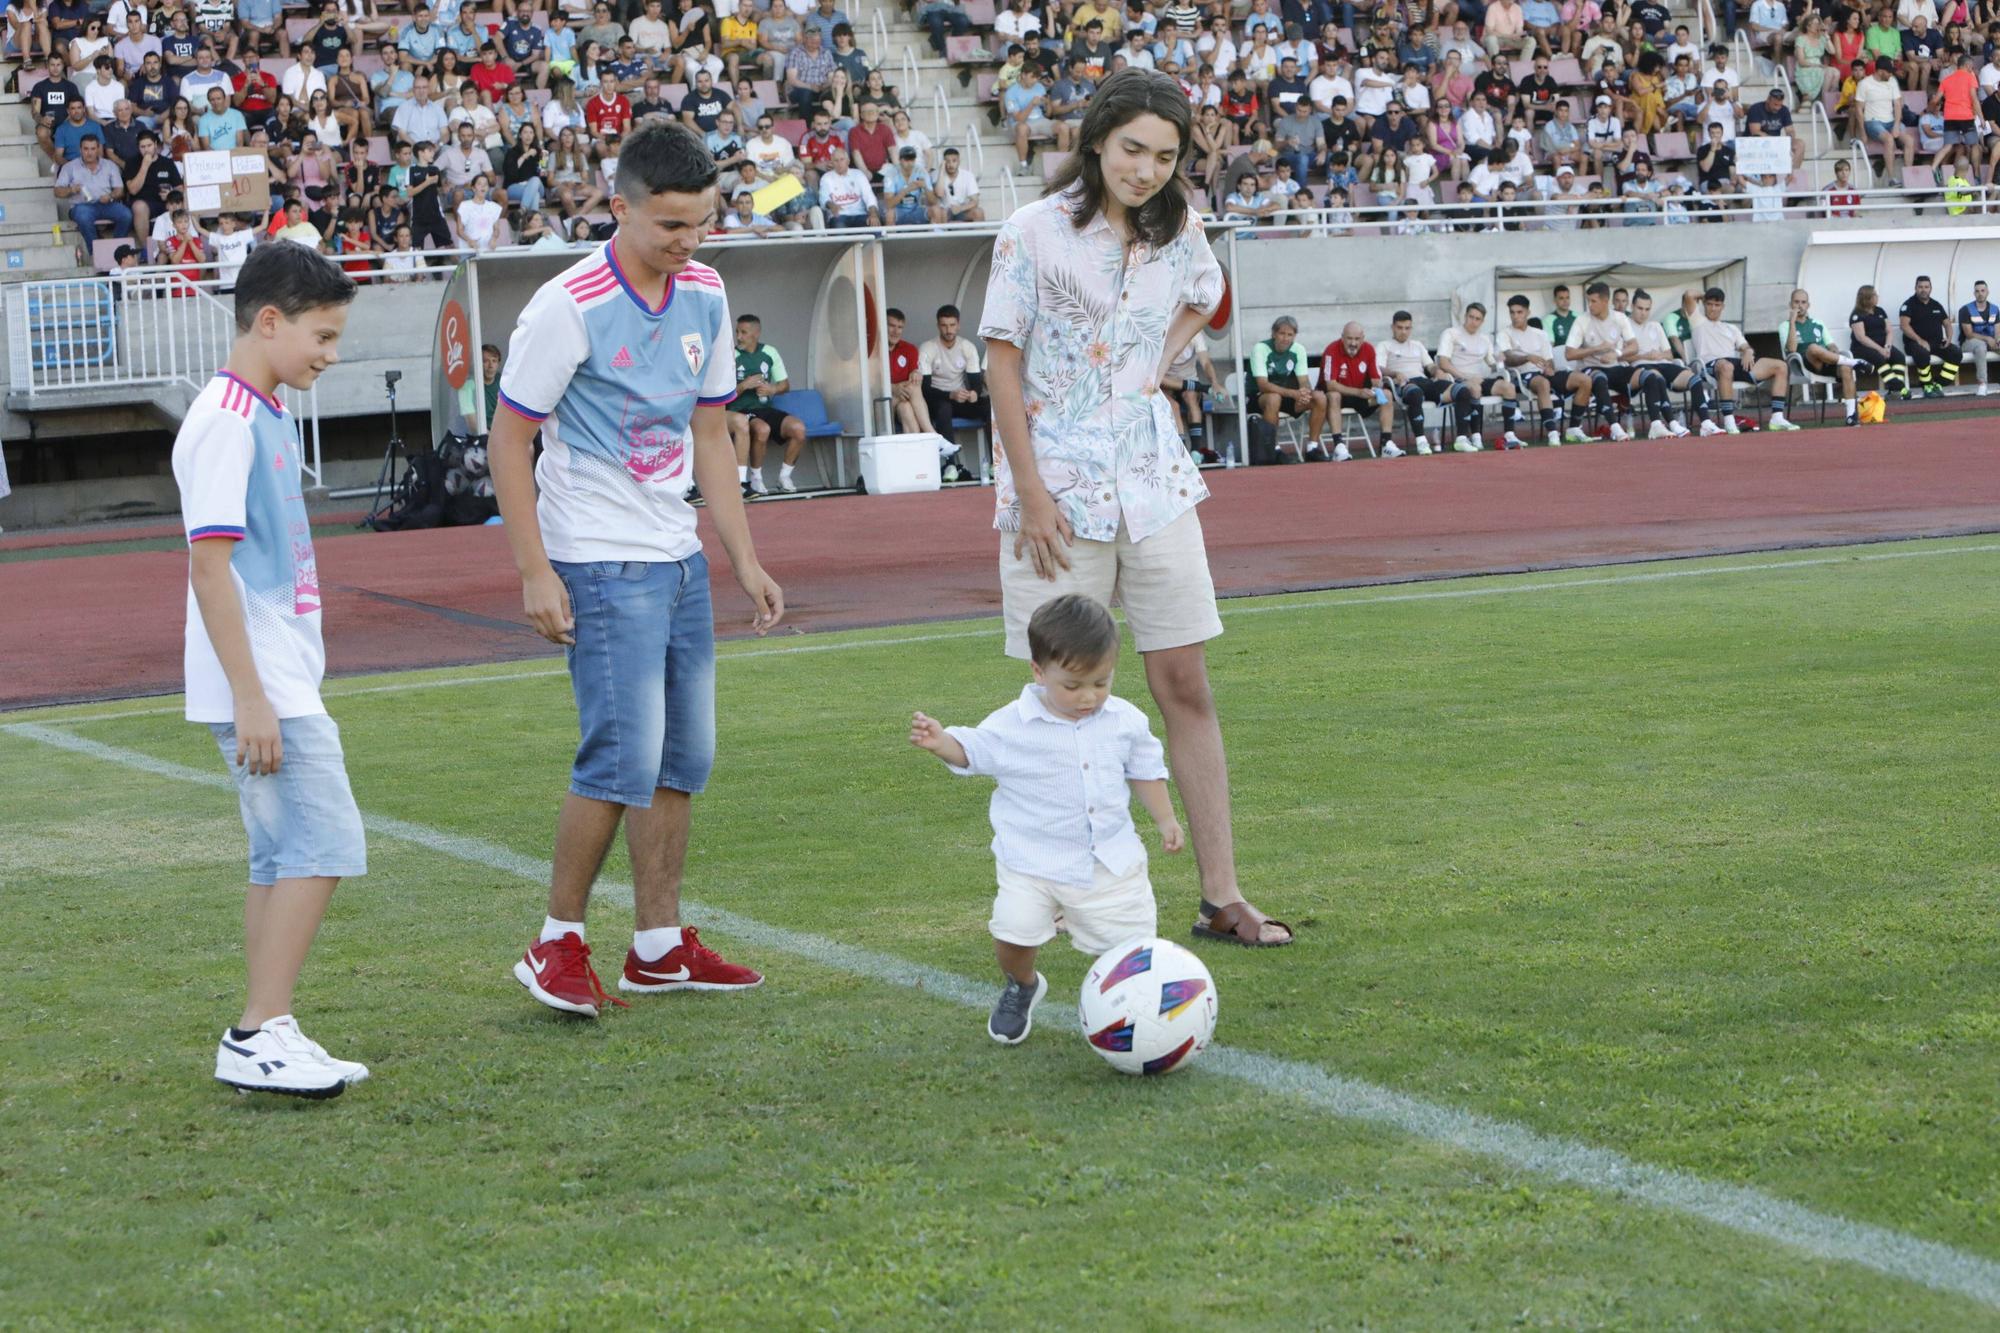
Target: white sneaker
(1341, 453)
(1678, 430)
(276, 1059)
(1423, 445)
(1390, 450)
(1710, 428)
(1780, 422)
(1731, 428)
(757, 483)
(1847, 361)
(1982, 391)
(786, 484)
(351, 1070)
(1575, 436)
(1512, 441)
(1658, 431)
(1618, 432)
(1463, 445)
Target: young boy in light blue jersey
(254, 655)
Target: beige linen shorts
(1162, 582)
(1115, 908)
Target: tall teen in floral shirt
(1094, 290)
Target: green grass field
(1695, 863)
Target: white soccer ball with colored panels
(1148, 1007)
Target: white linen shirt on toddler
(1060, 805)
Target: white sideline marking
(1823, 1236)
(1432, 595)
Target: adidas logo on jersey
(623, 361)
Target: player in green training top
(760, 377)
(1278, 369)
(1806, 337)
(1562, 317)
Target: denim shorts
(643, 672)
(302, 820)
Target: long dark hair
(1120, 100)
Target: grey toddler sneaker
(1014, 1012)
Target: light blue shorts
(643, 672)
(302, 820)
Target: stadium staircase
(35, 241)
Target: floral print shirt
(1091, 314)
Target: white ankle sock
(743, 472)
(655, 944)
(553, 929)
(1848, 403)
(784, 472)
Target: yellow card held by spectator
(777, 194)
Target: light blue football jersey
(614, 384)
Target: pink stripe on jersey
(595, 278)
(696, 280)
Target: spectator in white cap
(1603, 135)
(1564, 191)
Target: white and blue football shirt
(236, 461)
(614, 384)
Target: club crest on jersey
(691, 346)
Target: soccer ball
(1148, 1007)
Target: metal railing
(136, 329)
(1980, 202)
(878, 32)
(940, 115)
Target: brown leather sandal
(1239, 923)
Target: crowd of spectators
(1576, 372)
(393, 130)
(1605, 108)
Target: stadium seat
(964, 50)
(809, 407)
(1808, 380)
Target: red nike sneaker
(559, 974)
(693, 966)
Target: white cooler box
(894, 464)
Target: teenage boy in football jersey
(623, 364)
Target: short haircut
(1562, 289)
(947, 312)
(1072, 631)
(1474, 305)
(1400, 317)
(750, 319)
(1714, 294)
(290, 277)
(893, 313)
(1284, 322)
(1598, 289)
(662, 156)
(1923, 277)
(1517, 300)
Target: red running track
(108, 626)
